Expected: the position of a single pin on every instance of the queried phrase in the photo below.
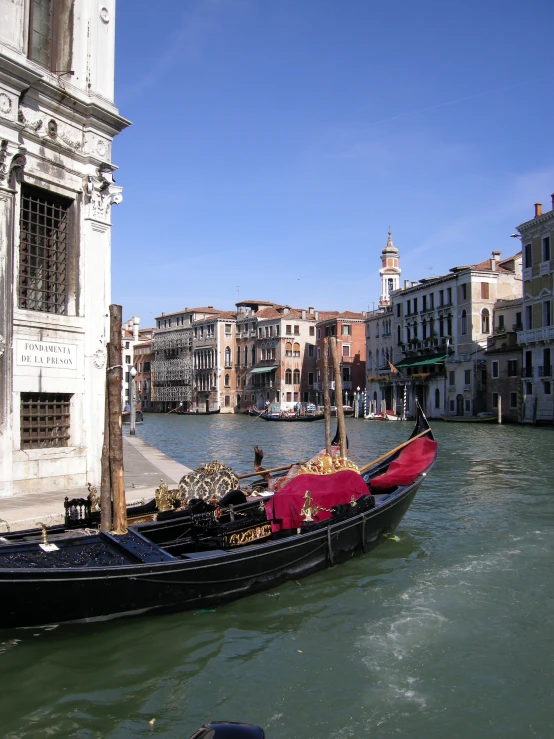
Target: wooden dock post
(338, 396)
(326, 397)
(115, 377)
(105, 483)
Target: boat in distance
(291, 416)
(211, 555)
(480, 418)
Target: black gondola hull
(161, 566)
(36, 597)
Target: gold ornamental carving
(327, 465)
(246, 537)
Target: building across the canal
(57, 123)
(429, 338)
(536, 336)
(349, 330)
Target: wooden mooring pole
(105, 483)
(326, 397)
(338, 396)
(115, 377)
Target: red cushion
(283, 510)
(411, 462)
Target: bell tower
(389, 272)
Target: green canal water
(448, 631)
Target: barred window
(44, 420)
(43, 257)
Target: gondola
(481, 418)
(215, 554)
(292, 417)
(126, 417)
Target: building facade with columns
(57, 123)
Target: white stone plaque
(46, 354)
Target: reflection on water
(447, 630)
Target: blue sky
(275, 141)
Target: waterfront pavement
(144, 467)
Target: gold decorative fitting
(94, 498)
(245, 537)
(162, 497)
(44, 532)
(309, 509)
(166, 499)
(327, 465)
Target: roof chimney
(538, 210)
(303, 315)
(552, 196)
(311, 310)
(494, 259)
(316, 314)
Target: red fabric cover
(411, 462)
(283, 510)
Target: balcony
(527, 372)
(527, 273)
(347, 385)
(544, 268)
(545, 370)
(536, 334)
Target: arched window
(296, 378)
(227, 381)
(437, 398)
(485, 321)
(288, 377)
(253, 354)
(370, 361)
(464, 322)
(228, 356)
(398, 334)
(296, 349)
(288, 349)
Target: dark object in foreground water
(216, 555)
(228, 730)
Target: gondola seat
(287, 508)
(77, 512)
(411, 462)
(210, 482)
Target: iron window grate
(43, 252)
(44, 420)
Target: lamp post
(133, 399)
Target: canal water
(446, 631)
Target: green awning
(259, 370)
(421, 361)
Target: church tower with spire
(389, 272)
